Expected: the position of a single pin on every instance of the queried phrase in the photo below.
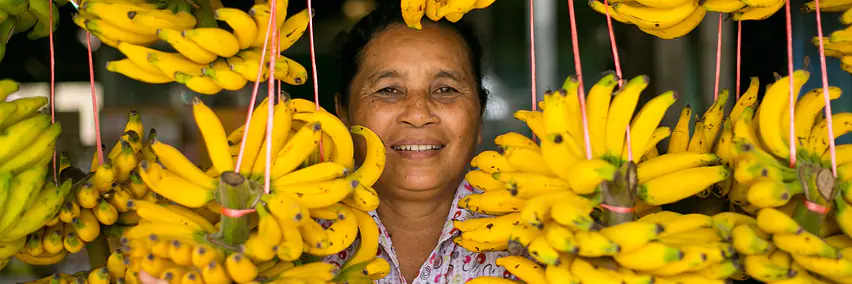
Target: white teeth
(417, 147)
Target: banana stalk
(620, 192)
(98, 251)
(818, 185)
(204, 15)
(235, 192)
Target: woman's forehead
(400, 51)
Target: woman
(421, 92)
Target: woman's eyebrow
(446, 74)
(383, 74)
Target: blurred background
(685, 65)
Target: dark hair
(351, 44)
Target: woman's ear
(341, 110)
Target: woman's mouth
(417, 147)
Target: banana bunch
(662, 247)
(674, 19)
(208, 59)
(27, 200)
(89, 204)
(453, 10)
(18, 16)
(839, 43)
(663, 19)
(317, 205)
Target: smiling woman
(421, 92)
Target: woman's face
(417, 91)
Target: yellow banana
(293, 28)
(758, 13)
(215, 40)
(186, 47)
(412, 12)
(297, 149)
(680, 184)
(245, 29)
(290, 71)
(620, 111)
(214, 136)
(646, 122)
(174, 187)
(681, 29)
(343, 149)
(655, 18)
(127, 68)
(223, 76)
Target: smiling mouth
(417, 148)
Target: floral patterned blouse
(448, 263)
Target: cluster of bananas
(839, 43)
(18, 16)
(674, 19)
(27, 200)
(316, 207)
(208, 59)
(549, 200)
(93, 204)
(414, 10)
(662, 247)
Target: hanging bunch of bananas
(663, 19)
(839, 43)
(94, 204)
(549, 200)
(208, 59)
(414, 10)
(802, 223)
(674, 19)
(18, 16)
(315, 208)
(27, 200)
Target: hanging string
(739, 48)
(718, 58)
(831, 145)
(314, 68)
(614, 47)
(270, 97)
(532, 58)
(52, 81)
(269, 29)
(792, 100)
(94, 100)
(578, 68)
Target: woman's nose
(418, 110)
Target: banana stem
(620, 192)
(235, 192)
(204, 15)
(809, 220)
(98, 251)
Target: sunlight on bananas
(317, 206)
(28, 196)
(453, 10)
(674, 19)
(208, 59)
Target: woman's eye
(388, 91)
(446, 90)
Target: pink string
(52, 80)
(739, 47)
(270, 106)
(314, 67)
(831, 146)
(792, 104)
(718, 58)
(532, 58)
(578, 68)
(620, 81)
(614, 48)
(94, 100)
(269, 28)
